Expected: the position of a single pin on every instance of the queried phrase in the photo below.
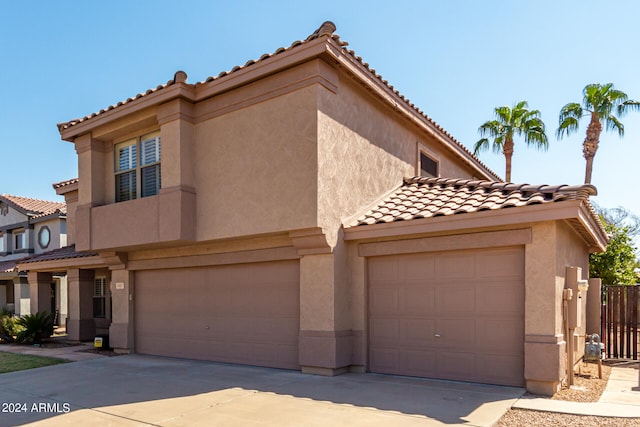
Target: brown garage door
(246, 313)
(450, 315)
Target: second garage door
(246, 313)
(450, 315)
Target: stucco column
(92, 172)
(80, 324)
(544, 347)
(121, 332)
(40, 291)
(326, 339)
(21, 295)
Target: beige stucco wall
(255, 168)
(58, 237)
(12, 217)
(364, 151)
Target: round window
(44, 237)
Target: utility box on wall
(578, 302)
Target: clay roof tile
(423, 197)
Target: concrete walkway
(72, 353)
(621, 398)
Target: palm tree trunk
(507, 150)
(590, 145)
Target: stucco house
(29, 227)
(298, 212)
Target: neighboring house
(29, 227)
(271, 216)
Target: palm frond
(569, 119)
(481, 145)
(628, 105)
(612, 123)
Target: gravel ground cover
(587, 388)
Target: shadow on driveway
(149, 390)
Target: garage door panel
(384, 271)
(455, 265)
(417, 300)
(455, 333)
(456, 298)
(386, 359)
(499, 333)
(419, 361)
(385, 330)
(219, 314)
(500, 263)
(456, 365)
(420, 331)
(418, 268)
(384, 300)
(500, 369)
(474, 302)
(499, 297)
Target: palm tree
(602, 103)
(510, 122)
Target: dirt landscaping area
(587, 388)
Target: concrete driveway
(140, 390)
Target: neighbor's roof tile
(58, 254)
(34, 207)
(422, 197)
(8, 266)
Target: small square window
(19, 241)
(428, 166)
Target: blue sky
(456, 60)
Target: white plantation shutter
(150, 179)
(150, 150)
(127, 157)
(138, 178)
(99, 297)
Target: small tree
(618, 264)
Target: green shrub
(36, 326)
(9, 327)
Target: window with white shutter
(137, 167)
(99, 297)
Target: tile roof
(66, 252)
(327, 29)
(66, 183)
(422, 197)
(34, 207)
(8, 266)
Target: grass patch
(10, 362)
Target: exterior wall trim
(442, 243)
(244, 257)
